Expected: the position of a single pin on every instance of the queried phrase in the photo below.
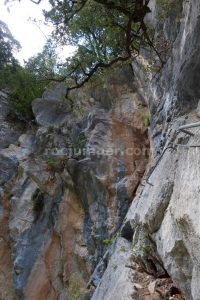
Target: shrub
(23, 89)
(147, 121)
(78, 143)
(38, 203)
(50, 129)
(109, 242)
(76, 291)
(54, 164)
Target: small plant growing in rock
(79, 142)
(38, 203)
(50, 129)
(74, 288)
(109, 242)
(147, 122)
(146, 250)
(55, 164)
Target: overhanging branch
(134, 36)
(99, 65)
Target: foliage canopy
(23, 84)
(8, 45)
(104, 32)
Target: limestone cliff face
(162, 221)
(93, 205)
(67, 185)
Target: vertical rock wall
(62, 209)
(84, 224)
(162, 222)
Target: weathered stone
(49, 112)
(8, 167)
(117, 282)
(81, 201)
(145, 253)
(152, 287)
(62, 207)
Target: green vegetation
(166, 7)
(109, 242)
(78, 142)
(76, 292)
(55, 164)
(146, 250)
(147, 121)
(50, 129)
(24, 84)
(114, 36)
(45, 65)
(22, 89)
(38, 203)
(8, 46)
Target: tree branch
(112, 5)
(76, 11)
(132, 13)
(150, 43)
(97, 66)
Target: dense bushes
(24, 83)
(19, 82)
(22, 88)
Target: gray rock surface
(163, 216)
(118, 279)
(64, 205)
(85, 225)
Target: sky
(31, 38)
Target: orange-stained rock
(63, 258)
(39, 284)
(6, 268)
(64, 208)
(74, 251)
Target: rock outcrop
(71, 182)
(95, 205)
(162, 220)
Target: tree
(28, 82)
(105, 32)
(22, 84)
(44, 65)
(22, 88)
(8, 46)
